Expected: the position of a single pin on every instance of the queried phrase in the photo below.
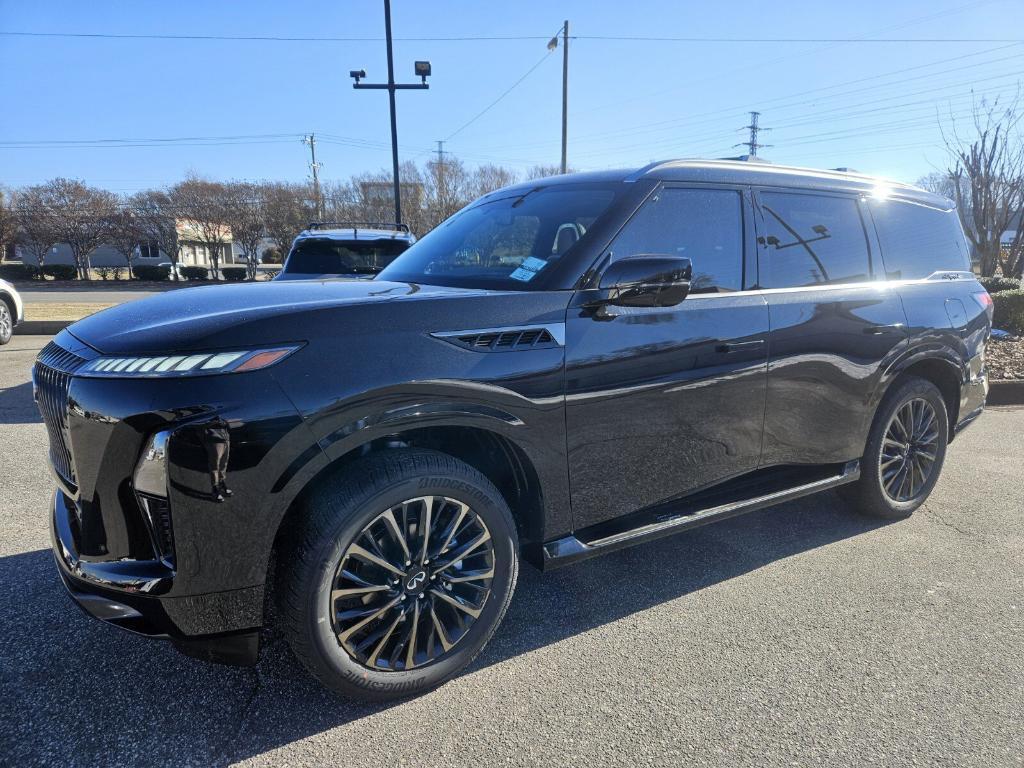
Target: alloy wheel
(412, 583)
(6, 326)
(909, 449)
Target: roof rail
(358, 225)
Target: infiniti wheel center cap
(415, 580)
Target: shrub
(152, 272)
(60, 271)
(999, 284)
(272, 256)
(105, 273)
(19, 271)
(195, 273)
(234, 274)
(1009, 311)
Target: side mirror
(647, 280)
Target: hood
(241, 314)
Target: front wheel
(905, 451)
(6, 323)
(399, 574)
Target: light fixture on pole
(422, 71)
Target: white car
(12, 311)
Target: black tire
(870, 495)
(6, 323)
(337, 515)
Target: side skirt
(664, 521)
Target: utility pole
(754, 129)
(440, 156)
(317, 197)
(422, 69)
(552, 44)
(565, 94)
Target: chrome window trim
(944, 275)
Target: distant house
(193, 252)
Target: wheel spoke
(439, 631)
(336, 594)
(453, 529)
(463, 552)
(427, 512)
(363, 554)
(410, 655)
(372, 661)
(472, 576)
(454, 601)
(344, 636)
(392, 525)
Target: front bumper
(220, 627)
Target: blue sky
(873, 106)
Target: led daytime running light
(199, 364)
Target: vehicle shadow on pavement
(17, 406)
(72, 686)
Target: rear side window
(812, 240)
(917, 240)
(704, 225)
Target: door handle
(739, 346)
(878, 330)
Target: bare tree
(447, 188)
(941, 183)
(157, 220)
(489, 177)
(202, 210)
(80, 217)
(541, 171)
(37, 231)
(988, 184)
(125, 232)
(8, 223)
(287, 210)
(243, 212)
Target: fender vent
(503, 339)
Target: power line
(504, 93)
(786, 100)
(268, 38)
(788, 40)
(493, 38)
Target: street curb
(1005, 392)
(41, 327)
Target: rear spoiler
(357, 225)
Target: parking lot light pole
(422, 69)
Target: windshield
(504, 243)
(322, 256)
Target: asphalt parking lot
(797, 635)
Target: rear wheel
(401, 572)
(905, 451)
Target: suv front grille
(52, 378)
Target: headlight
(199, 364)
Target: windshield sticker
(528, 269)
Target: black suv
(566, 367)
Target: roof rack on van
(355, 225)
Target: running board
(571, 549)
